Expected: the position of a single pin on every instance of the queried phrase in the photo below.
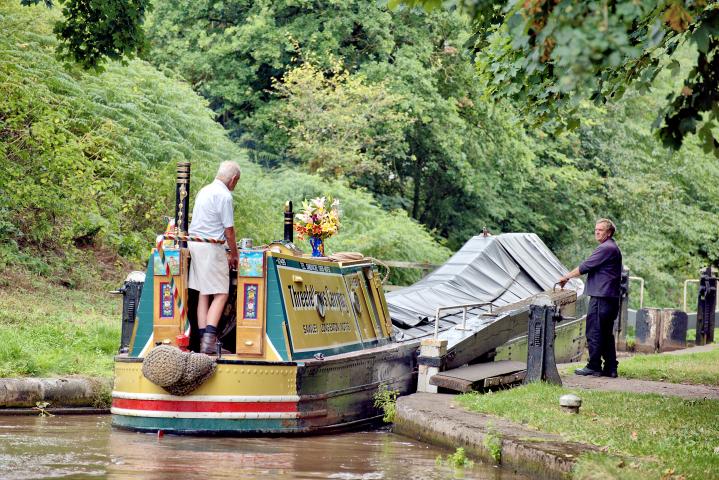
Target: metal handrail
(686, 283)
(464, 307)
(641, 290)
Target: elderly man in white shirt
(213, 217)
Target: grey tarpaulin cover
(500, 269)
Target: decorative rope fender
(176, 371)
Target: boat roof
(499, 269)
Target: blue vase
(318, 246)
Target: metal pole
(436, 324)
(464, 306)
(641, 290)
(182, 202)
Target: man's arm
(230, 236)
(564, 279)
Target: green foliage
(92, 32)
(233, 51)
(386, 399)
(548, 56)
(493, 443)
(338, 125)
(458, 459)
(464, 159)
(84, 159)
(657, 433)
(87, 161)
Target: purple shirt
(604, 267)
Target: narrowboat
(305, 343)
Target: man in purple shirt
(604, 269)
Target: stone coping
(437, 419)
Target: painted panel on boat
(362, 306)
(169, 314)
(275, 316)
(318, 307)
(251, 263)
(376, 288)
(251, 304)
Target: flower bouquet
(318, 220)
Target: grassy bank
(48, 329)
(700, 368)
(642, 436)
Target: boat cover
(497, 269)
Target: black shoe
(612, 374)
(208, 344)
(586, 371)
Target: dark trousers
(600, 333)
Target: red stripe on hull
(215, 407)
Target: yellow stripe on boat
(257, 380)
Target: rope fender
(176, 371)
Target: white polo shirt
(212, 212)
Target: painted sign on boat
(319, 310)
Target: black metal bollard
(541, 364)
(706, 307)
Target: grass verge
(699, 368)
(48, 329)
(643, 436)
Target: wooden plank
(485, 370)
(505, 379)
(471, 377)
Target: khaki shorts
(209, 270)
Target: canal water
(88, 447)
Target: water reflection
(87, 446)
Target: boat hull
(266, 398)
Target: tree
(338, 125)
(94, 31)
(548, 55)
